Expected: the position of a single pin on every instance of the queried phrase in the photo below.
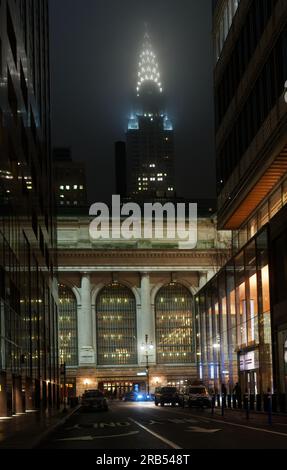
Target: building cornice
(143, 254)
(136, 261)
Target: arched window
(174, 325)
(68, 327)
(116, 326)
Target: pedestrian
(238, 394)
(224, 394)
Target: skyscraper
(69, 179)
(28, 311)
(150, 136)
(121, 168)
(248, 341)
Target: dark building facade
(28, 312)
(121, 168)
(242, 314)
(150, 136)
(69, 179)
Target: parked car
(168, 395)
(197, 396)
(94, 399)
(136, 396)
(130, 396)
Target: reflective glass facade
(234, 322)
(28, 311)
(68, 327)
(174, 328)
(116, 326)
(264, 214)
(227, 13)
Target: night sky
(94, 57)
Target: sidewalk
(25, 431)
(240, 415)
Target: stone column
(147, 326)
(86, 350)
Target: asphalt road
(143, 426)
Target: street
(143, 426)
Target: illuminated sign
(249, 361)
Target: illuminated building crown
(148, 66)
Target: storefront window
(253, 315)
(216, 343)
(231, 306)
(241, 300)
(203, 336)
(224, 329)
(266, 339)
(209, 331)
(265, 288)
(252, 306)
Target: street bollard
(246, 405)
(270, 409)
(252, 403)
(229, 403)
(212, 404)
(222, 405)
(218, 400)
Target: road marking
(92, 438)
(151, 423)
(268, 431)
(182, 421)
(202, 430)
(99, 426)
(158, 436)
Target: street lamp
(147, 347)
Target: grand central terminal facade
(126, 313)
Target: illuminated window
(174, 325)
(116, 326)
(68, 331)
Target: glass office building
(28, 312)
(234, 322)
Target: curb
(52, 428)
(254, 412)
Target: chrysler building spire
(148, 67)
